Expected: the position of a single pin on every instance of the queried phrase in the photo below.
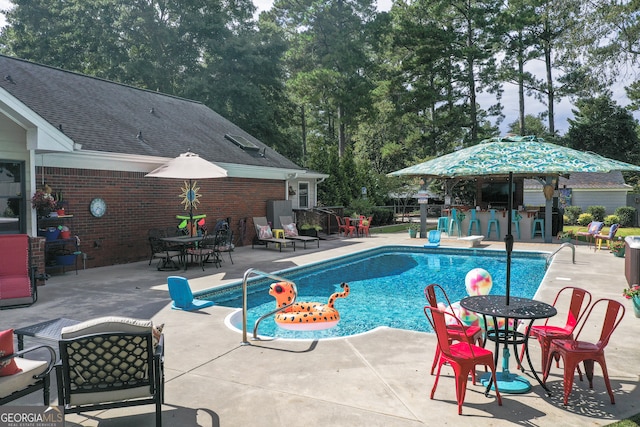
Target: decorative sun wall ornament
(190, 195)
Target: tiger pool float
(305, 316)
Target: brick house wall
(136, 204)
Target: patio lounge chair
(182, 296)
(434, 239)
(606, 237)
(264, 235)
(291, 231)
(594, 228)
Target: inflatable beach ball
(478, 282)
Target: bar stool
(515, 220)
(473, 221)
(455, 223)
(493, 221)
(537, 227)
(443, 226)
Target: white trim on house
(41, 135)
(130, 163)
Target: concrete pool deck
(376, 379)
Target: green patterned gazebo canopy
(522, 155)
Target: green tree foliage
(533, 125)
(206, 50)
(602, 126)
(521, 47)
(327, 61)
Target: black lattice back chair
(224, 242)
(114, 369)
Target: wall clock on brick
(98, 207)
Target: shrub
(626, 215)
(597, 212)
(360, 207)
(611, 219)
(572, 213)
(584, 219)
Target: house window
(303, 195)
(13, 206)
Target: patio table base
(507, 382)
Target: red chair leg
(436, 358)
(605, 374)
(569, 372)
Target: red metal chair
(342, 227)
(456, 332)
(365, 223)
(349, 229)
(463, 356)
(578, 304)
(574, 351)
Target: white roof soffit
(100, 160)
(41, 135)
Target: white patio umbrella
(189, 166)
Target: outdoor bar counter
(526, 222)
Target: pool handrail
(564, 245)
(245, 279)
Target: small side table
(48, 330)
(278, 233)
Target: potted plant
(43, 202)
(633, 293)
(308, 229)
(413, 230)
(566, 236)
(618, 248)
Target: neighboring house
(89, 138)
(583, 189)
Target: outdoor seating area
(175, 250)
(264, 236)
(209, 373)
(354, 226)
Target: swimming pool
(387, 285)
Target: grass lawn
(622, 232)
(630, 422)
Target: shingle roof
(111, 117)
(585, 180)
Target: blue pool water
(387, 287)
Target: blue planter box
(66, 259)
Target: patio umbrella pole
(191, 197)
(508, 239)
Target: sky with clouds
(510, 96)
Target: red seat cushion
(15, 280)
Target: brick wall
(135, 204)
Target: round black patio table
(518, 309)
